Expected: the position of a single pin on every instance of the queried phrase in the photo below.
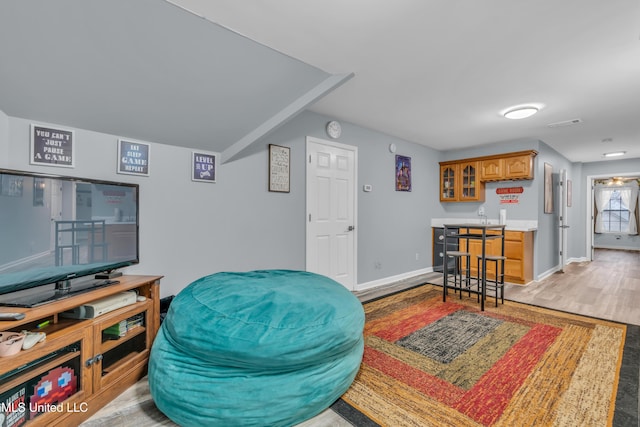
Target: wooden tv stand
(101, 366)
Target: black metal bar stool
(460, 275)
(497, 283)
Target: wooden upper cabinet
(493, 169)
(518, 167)
(449, 183)
(460, 182)
(463, 180)
(471, 187)
(509, 166)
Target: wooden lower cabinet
(82, 365)
(518, 248)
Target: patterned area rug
(429, 363)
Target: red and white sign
(510, 190)
(509, 195)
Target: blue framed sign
(133, 158)
(203, 166)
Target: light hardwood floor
(607, 288)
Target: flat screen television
(63, 235)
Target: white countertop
(512, 224)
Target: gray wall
(190, 229)
(547, 241)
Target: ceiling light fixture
(615, 154)
(521, 112)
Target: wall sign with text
(133, 158)
(279, 168)
(52, 147)
(203, 167)
(509, 195)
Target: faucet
(484, 220)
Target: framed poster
(133, 158)
(403, 173)
(203, 166)
(52, 146)
(279, 168)
(548, 188)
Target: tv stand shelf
(99, 368)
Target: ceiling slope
(147, 70)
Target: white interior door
(331, 210)
(562, 218)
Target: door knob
(351, 228)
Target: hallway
(607, 288)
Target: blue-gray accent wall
(190, 229)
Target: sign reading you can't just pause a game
(52, 147)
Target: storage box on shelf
(93, 366)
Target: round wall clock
(334, 129)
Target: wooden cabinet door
(474, 247)
(471, 188)
(519, 167)
(449, 183)
(492, 169)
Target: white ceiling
(439, 72)
(434, 72)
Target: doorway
(331, 232)
(590, 208)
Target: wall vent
(565, 123)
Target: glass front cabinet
(460, 182)
(448, 183)
(470, 188)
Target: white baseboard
(547, 273)
(391, 279)
(552, 270)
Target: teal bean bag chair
(259, 348)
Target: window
(616, 206)
(615, 215)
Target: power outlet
(481, 211)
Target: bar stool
(498, 282)
(459, 271)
